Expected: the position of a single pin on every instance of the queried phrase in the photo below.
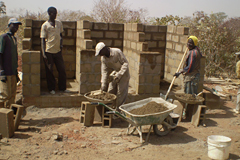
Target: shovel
(170, 87)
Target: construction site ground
(35, 137)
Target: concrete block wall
(88, 67)
(32, 41)
(144, 47)
(31, 73)
(176, 45)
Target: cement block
(37, 23)
(179, 47)
(35, 79)
(69, 41)
(137, 27)
(116, 26)
(88, 44)
(97, 34)
(25, 57)
(6, 122)
(175, 38)
(27, 44)
(183, 39)
(151, 28)
(83, 24)
(159, 36)
(162, 44)
(169, 45)
(182, 30)
(162, 28)
(171, 29)
(148, 37)
(35, 68)
(69, 25)
(152, 44)
(118, 43)
(109, 34)
(26, 79)
(26, 68)
(35, 57)
(28, 22)
(100, 26)
(28, 32)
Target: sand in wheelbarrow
(149, 108)
(105, 96)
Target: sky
(155, 8)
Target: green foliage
(218, 41)
(167, 20)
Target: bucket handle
(219, 145)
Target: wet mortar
(149, 108)
(189, 98)
(105, 96)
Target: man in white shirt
(114, 61)
(51, 43)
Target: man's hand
(116, 79)
(44, 56)
(177, 74)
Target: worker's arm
(43, 47)
(122, 59)
(2, 47)
(104, 75)
(43, 36)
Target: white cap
(99, 47)
(14, 20)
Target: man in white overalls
(115, 63)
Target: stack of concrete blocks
(31, 73)
(144, 47)
(176, 45)
(32, 42)
(88, 67)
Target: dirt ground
(37, 130)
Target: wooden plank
(198, 115)
(18, 115)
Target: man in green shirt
(9, 63)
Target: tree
(167, 20)
(219, 39)
(117, 11)
(2, 8)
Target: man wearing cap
(9, 63)
(237, 109)
(51, 44)
(115, 63)
(191, 70)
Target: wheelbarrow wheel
(162, 129)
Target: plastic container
(218, 147)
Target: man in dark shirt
(191, 70)
(9, 63)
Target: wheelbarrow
(161, 122)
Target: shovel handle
(180, 64)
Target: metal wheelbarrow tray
(156, 120)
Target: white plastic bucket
(218, 147)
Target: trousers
(57, 59)
(8, 91)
